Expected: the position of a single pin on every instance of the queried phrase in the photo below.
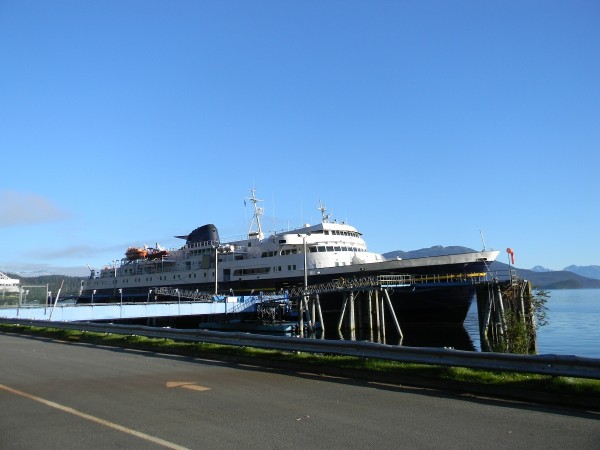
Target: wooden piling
(377, 317)
(382, 329)
(308, 315)
(301, 316)
(318, 302)
(342, 312)
(506, 317)
(370, 313)
(351, 317)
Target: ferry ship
(8, 285)
(311, 254)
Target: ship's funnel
(205, 233)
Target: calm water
(573, 328)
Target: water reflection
(425, 335)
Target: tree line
(70, 285)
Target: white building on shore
(8, 285)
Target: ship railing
(203, 244)
(387, 281)
(504, 275)
(246, 301)
(463, 278)
(186, 294)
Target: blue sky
(419, 122)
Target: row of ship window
(237, 272)
(334, 248)
(260, 270)
(315, 249)
(337, 233)
(161, 278)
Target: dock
(365, 306)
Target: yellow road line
(187, 385)
(195, 387)
(94, 419)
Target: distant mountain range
(572, 277)
(585, 271)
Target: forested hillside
(70, 286)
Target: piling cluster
(506, 316)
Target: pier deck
(208, 304)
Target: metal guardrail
(555, 365)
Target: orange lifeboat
(134, 253)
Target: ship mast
(324, 217)
(258, 211)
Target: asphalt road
(75, 396)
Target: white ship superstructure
(318, 253)
(8, 285)
(256, 261)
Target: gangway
(120, 311)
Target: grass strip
(574, 390)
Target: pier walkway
(118, 311)
(194, 303)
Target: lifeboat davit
(155, 253)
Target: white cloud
(17, 208)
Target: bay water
(573, 324)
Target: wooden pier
(505, 309)
(357, 306)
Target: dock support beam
(389, 302)
(351, 317)
(309, 318)
(301, 316)
(341, 321)
(321, 321)
(382, 321)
